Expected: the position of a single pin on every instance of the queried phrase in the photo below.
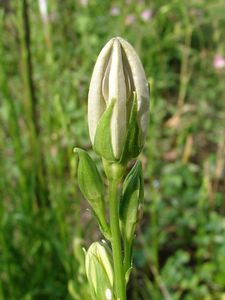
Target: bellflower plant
(118, 112)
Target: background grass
(45, 68)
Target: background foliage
(46, 60)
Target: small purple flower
(115, 11)
(219, 61)
(146, 15)
(130, 19)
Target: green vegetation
(45, 68)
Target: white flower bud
(117, 75)
(99, 270)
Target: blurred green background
(47, 52)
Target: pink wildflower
(146, 15)
(219, 61)
(115, 11)
(130, 19)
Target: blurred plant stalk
(31, 114)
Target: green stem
(116, 241)
(31, 105)
(154, 226)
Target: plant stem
(116, 241)
(31, 105)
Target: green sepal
(127, 274)
(102, 142)
(131, 147)
(92, 188)
(132, 196)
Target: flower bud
(89, 179)
(130, 204)
(98, 263)
(91, 186)
(132, 197)
(118, 102)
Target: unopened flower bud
(132, 197)
(91, 186)
(99, 270)
(118, 102)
